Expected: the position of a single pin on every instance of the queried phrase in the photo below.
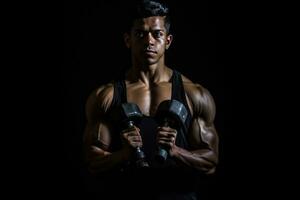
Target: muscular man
(147, 83)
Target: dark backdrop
(94, 53)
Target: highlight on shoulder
(99, 101)
(200, 100)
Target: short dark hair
(149, 8)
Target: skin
(147, 84)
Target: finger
(166, 135)
(172, 140)
(137, 129)
(162, 134)
(133, 128)
(135, 138)
(131, 132)
(167, 130)
(136, 144)
(172, 134)
(164, 128)
(167, 144)
(127, 131)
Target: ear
(169, 41)
(127, 39)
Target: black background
(94, 53)
(57, 53)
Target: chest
(149, 97)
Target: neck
(150, 74)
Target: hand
(131, 137)
(166, 137)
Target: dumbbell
(129, 114)
(170, 113)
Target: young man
(191, 149)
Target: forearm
(202, 160)
(103, 161)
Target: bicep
(97, 134)
(202, 130)
(97, 131)
(203, 139)
(202, 135)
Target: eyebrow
(139, 29)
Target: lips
(150, 51)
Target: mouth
(150, 51)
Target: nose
(150, 39)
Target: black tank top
(167, 181)
(148, 124)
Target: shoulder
(201, 100)
(99, 101)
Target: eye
(158, 34)
(139, 34)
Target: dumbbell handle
(139, 153)
(162, 153)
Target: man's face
(148, 39)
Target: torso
(148, 97)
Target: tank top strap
(178, 92)
(120, 94)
